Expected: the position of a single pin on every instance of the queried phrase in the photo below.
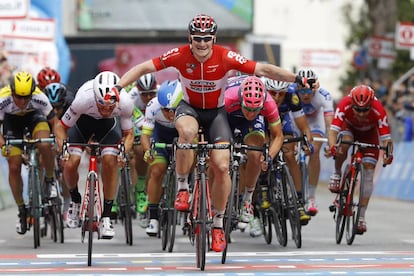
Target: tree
(376, 18)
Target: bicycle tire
(279, 217)
(172, 212)
(201, 235)
(91, 211)
(266, 221)
(34, 184)
(125, 204)
(228, 215)
(356, 193)
(341, 216)
(304, 183)
(57, 227)
(291, 204)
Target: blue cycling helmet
(56, 92)
(170, 94)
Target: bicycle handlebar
(362, 145)
(22, 141)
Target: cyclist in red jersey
(359, 117)
(203, 70)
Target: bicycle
(91, 207)
(284, 201)
(124, 201)
(200, 218)
(347, 203)
(231, 215)
(36, 205)
(168, 214)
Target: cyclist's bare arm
(303, 126)
(128, 136)
(274, 72)
(60, 133)
(135, 72)
(276, 139)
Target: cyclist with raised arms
(290, 107)
(159, 126)
(145, 89)
(107, 118)
(203, 68)
(248, 107)
(361, 117)
(23, 105)
(317, 104)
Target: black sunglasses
(148, 94)
(199, 38)
(361, 109)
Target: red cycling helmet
(202, 23)
(47, 76)
(362, 95)
(252, 93)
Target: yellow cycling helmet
(22, 84)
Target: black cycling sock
(153, 211)
(107, 208)
(75, 195)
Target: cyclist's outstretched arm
(136, 72)
(276, 142)
(128, 136)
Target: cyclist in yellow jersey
(24, 106)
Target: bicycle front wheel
(91, 211)
(228, 215)
(279, 216)
(201, 223)
(169, 216)
(341, 213)
(35, 204)
(291, 205)
(355, 202)
(56, 221)
(125, 205)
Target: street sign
(404, 35)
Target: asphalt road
(386, 249)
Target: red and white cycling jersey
(376, 118)
(205, 82)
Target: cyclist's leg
(187, 127)
(314, 168)
(71, 177)
(156, 173)
(369, 162)
(218, 130)
(141, 169)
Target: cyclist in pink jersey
(250, 109)
(203, 68)
(359, 117)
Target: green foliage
(360, 29)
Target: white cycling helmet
(147, 83)
(103, 83)
(308, 73)
(274, 85)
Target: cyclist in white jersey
(317, 104)
(159, 126)
(107, 119)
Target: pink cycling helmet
(252, 93)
